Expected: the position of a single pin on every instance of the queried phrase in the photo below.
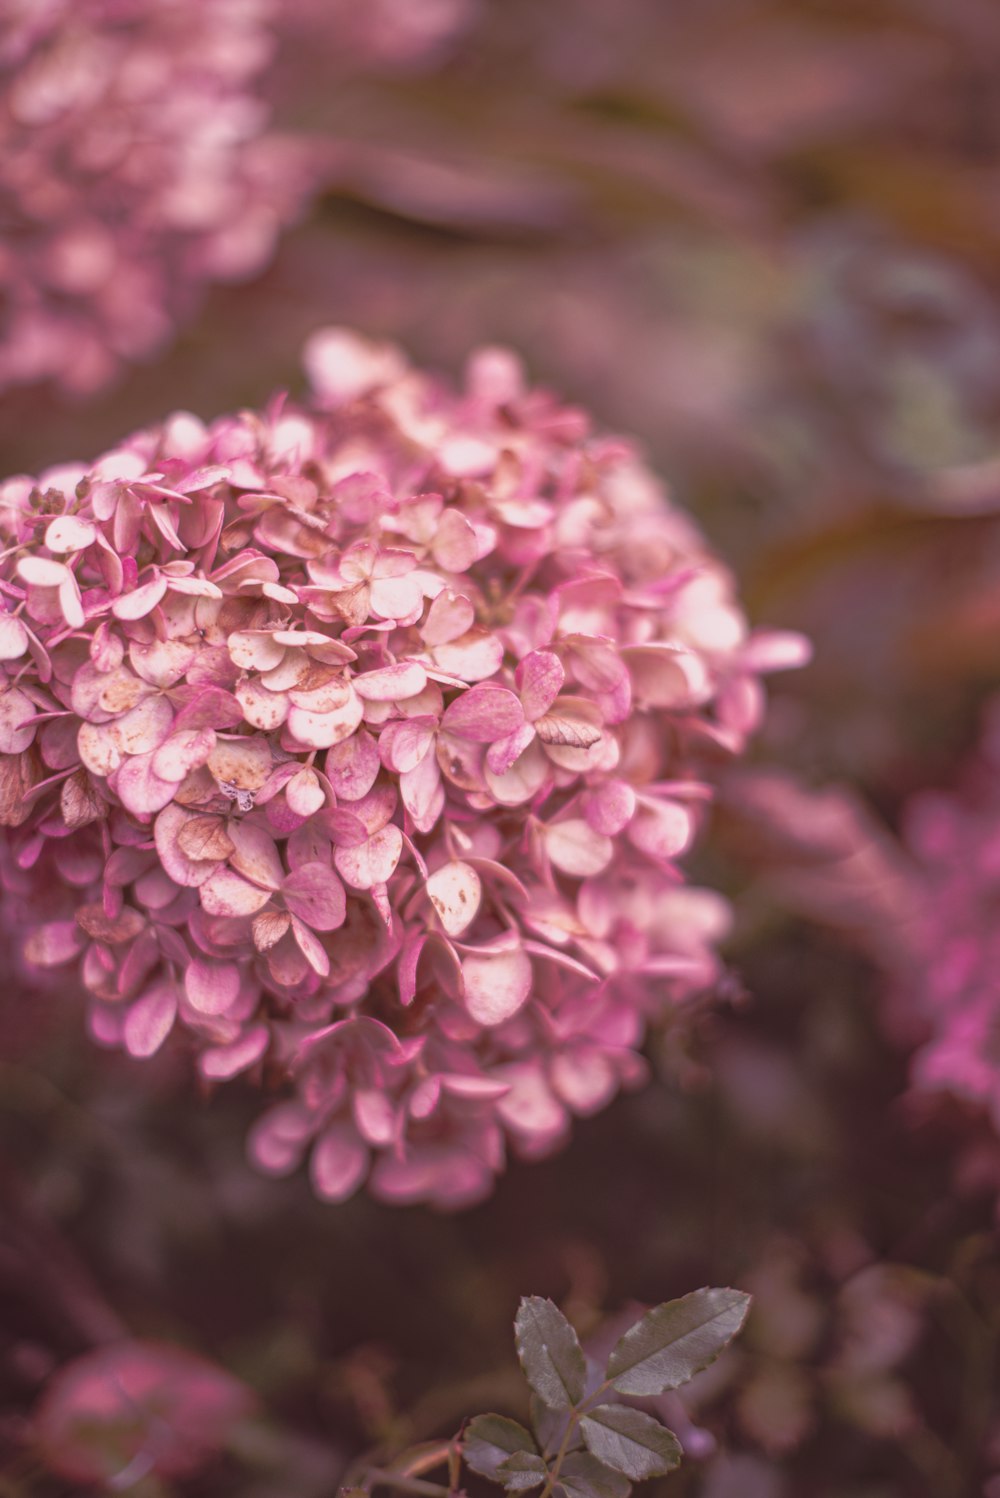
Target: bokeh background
(765, 239)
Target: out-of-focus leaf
(490, 1440)
(550, 1353)
(583, 1476)
(521, 1471)
(676, 1340)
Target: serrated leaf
(676, 1340)
(490, 1440)
(583, 1476)
(550, 1353)
(521, 1471)
(630, 1441)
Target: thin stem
(574, 1419)
(378, 1477)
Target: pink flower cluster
(133, 169)
(364, 736)
(952, 989)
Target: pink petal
(776, 650)
(16, 709)
(423, 794)
(150, 1020)
(140, 789)
(661, 829)
(584, 1079)
(211, 987)
(278, 1139)
(255, 649)
(311, 948)
(374, 1116)
(497, 984)
(352, 766)
(315, 894)
(219, 1063)
(70, 602)
(255, 855)
(455, 890)
(576, 849)
(338, 1164)
(530, 1110)
(13, 638)
(574, 722)
(372, 862)
(262, 709)
(666, 676)
(474, 656)
(54, 943)
(183, 870)
(403, 743)
(225, 893)
(141, 601)
(522, 781)
(69, 533)
(40, 572)
(391, 683)
(97, 744)
(609, 807)
(540, 677)
(304, 793)
(243, 762)
(455, 546)
(396, 597)
(406, 969)
(506, 752)
(449, 616)
(209, 707)
(145, 727)
(323, 730)
(183, 752)
(484, 714)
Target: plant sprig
(585, 1442)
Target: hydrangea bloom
(133, 169)
(365, 736)
(951, 991)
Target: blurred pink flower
(950, 996)
(132, 1409)
(366, 735)
(134, 168)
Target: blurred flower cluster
(135, 166)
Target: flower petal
(150, 1020)
(372, 862)
(576, 849)
(483, 714)
(455, 890)
(315, 894)
(338, 1164)
(497, 984)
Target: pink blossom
(366, 736)
(947, 998)
(131, 1409)
(134, 169)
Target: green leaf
(630, 1441)
(675, 1341)
(521, 1471)
(489, 1440)
(583, 1476)
(550, 1354)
